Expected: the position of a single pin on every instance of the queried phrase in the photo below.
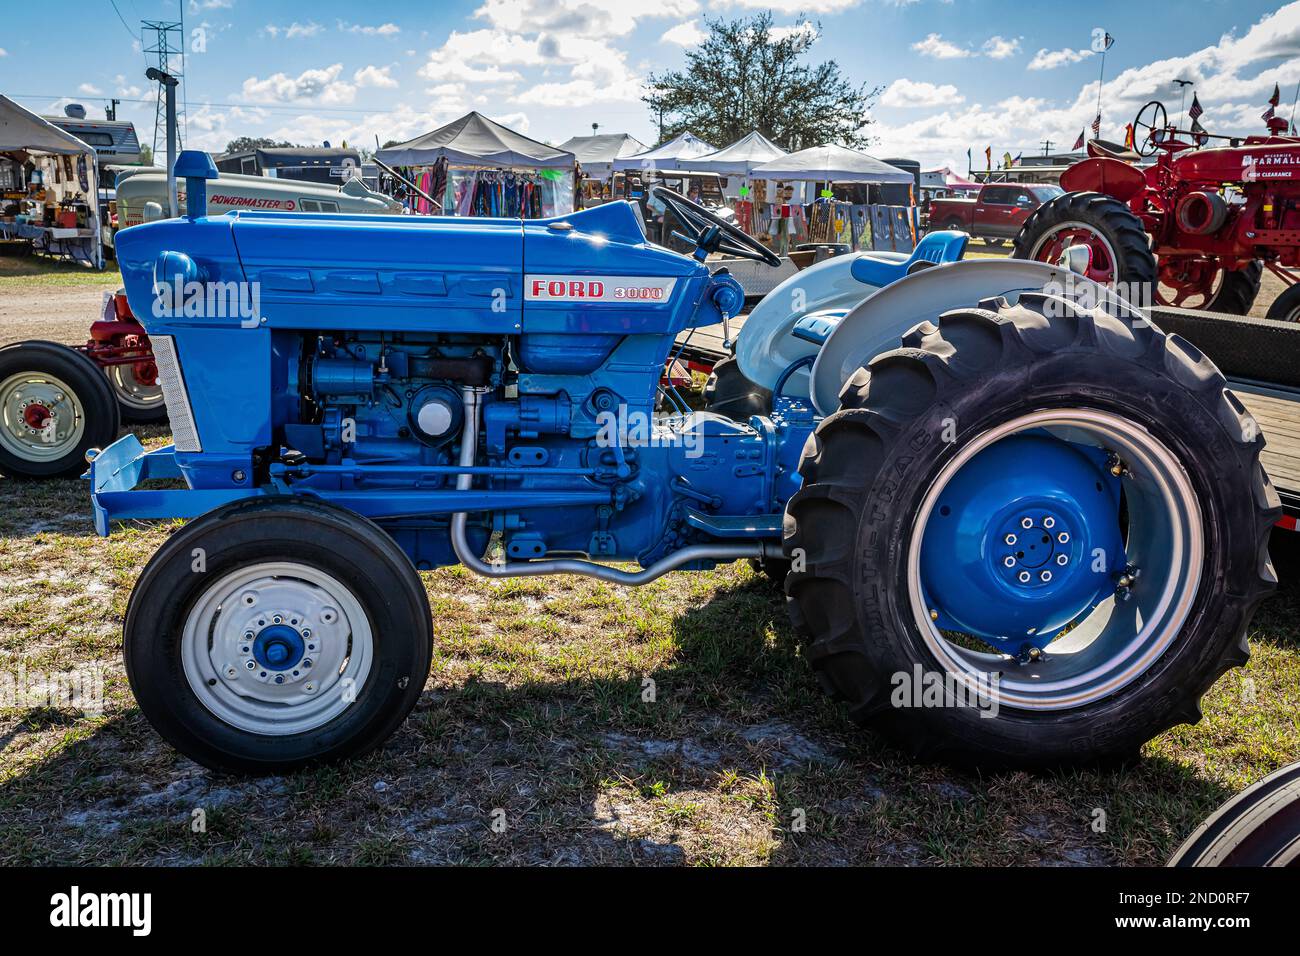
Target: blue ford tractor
(991, 480)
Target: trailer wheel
(268, 635)
(54, 406)
(993, 517)
(1258, 827)
(728, 392)
(1120, 250)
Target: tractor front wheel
(1002, 558)
(54, 406)
(268, 635)
(1120, 252)
(1286, 307)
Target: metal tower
(164, 43)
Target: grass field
(534, 743)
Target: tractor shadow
(727, 754)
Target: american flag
(1078, 143)
(1096, 126)
(1272, 103)
(1195, 110)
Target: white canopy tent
(22, 131)
(596, 154)
(475, 140)
(831, 164)
(740, 158)
(677, 154)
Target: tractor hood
(591, 271)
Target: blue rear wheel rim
(1139, 601)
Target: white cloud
(124, 89)
(89, 89)
(197, 5)
(378, 76)
(999, 48)
(793, 7)
(321, 85)
(1046, 59)
(686, 33)
(587, 18)
(293, 31)
(382, 30)
(936, 46)
(3, 51)
(1232, 77)
(905, 94)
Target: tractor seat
(934, 249)
(816, 327)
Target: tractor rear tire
(1258, 827)
(868, 471)
(1237, 294)
(728, 392)
(70, 391)
(1107, 218)
(230, 615)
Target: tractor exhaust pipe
(472, 396)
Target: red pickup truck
(996, 214)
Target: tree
(245, 143)
(747, 75)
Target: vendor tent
(831, 163)
(475, 140)
(676, 154)
(596, 154)
(738, 159)
(22, 131)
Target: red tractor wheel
(1120, 251)
(1190, 282)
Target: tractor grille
(185, 436)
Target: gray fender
(765, 348)
(879, 322)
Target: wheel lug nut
(1062, 559)
(1010, 539)
(1024, 577)
(251, 665)
(1045, 576)
(1009, 561)
(1049, 522)
(1063, 538)
(1026, 522)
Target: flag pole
(1101, 78)
(1293, 103)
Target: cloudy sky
(956, 74)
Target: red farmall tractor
(1195, 229)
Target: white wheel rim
(220, 641)
(1117, 642)
(41, 418)
(130, 391)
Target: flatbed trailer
(1260, 357)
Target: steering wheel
(707, 233)
(1159, 120)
